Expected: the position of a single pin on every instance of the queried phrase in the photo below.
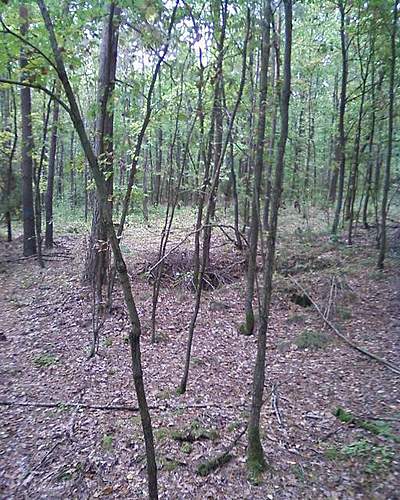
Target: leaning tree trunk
(255, 454)
(386, 183)
(106, 211)
(27, 148)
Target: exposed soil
(65, 452)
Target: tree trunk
(27, 148)
(386, 183)
(248, 326)
(102, 191)
(255, 454)
(49, 241)
(341, 145)
(98, 256)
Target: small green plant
(310, 339)
(298, 471)
(376, 458)
(45, 360)
(169, 464)
(162, 433)
(186, 448)
(107, 442)
(233, 426)
(376, 427)
(343, 313)
(108, 342)
(164, 394)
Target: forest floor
(76, 452)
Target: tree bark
(102, 191)
(255, 453)
(98, 255)
(386, 183)
(341, 145)
(49, 237)
(248, 326)
(27, 148)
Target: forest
(199, 249)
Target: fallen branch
(173, 249)
(352, 344)
(205, 468)
(85, 406)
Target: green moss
(169, 464)
(374, 426)
(186, 448)
(196, 432)
(107, 442)
(247, 328)
(376, 459)
(343, 313)
(108, 342)
(209, 466)
(256, 464)
(45, 360)
(310, 339)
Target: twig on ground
(352, 344)
(274, 403)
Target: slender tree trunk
(333, 165)
(27, 148)
(368, 177)
(386, 183)
(341, 145)
(255, 454)
(271, 146)
(235, 199)
(248, 326)
(212, 194)
(102, 191)
(49, 238)
(11, 150)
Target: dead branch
(352, 344)
(87, 406)
(174, 248)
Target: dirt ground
(75, 452)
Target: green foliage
(310, 339)
(45, 360)
(186, 448)
(107, 442)
(209, 466)
(196, 432)
(376, 459)
(379, 428)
